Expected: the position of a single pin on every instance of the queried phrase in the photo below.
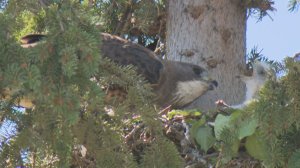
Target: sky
(278, 38)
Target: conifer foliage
(71, 124)
(64, 77)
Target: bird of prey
(174, 83)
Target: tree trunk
(212, 34)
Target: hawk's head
(181, 83)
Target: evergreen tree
(63, 77)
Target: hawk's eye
(197, 70)
(262, 72)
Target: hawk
(174, 83)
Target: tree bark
(212, 34)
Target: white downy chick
(261, 71)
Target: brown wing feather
(124, 53)
(120, 51)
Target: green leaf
(235, 147)
(294, 161)
(196, 125)
(205, 138)
(247, 128)
(243, 127)
(230, 150)
(236, 115)
(256, 147)
(184, 113)
(221, 122)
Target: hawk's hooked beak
(213, 84)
